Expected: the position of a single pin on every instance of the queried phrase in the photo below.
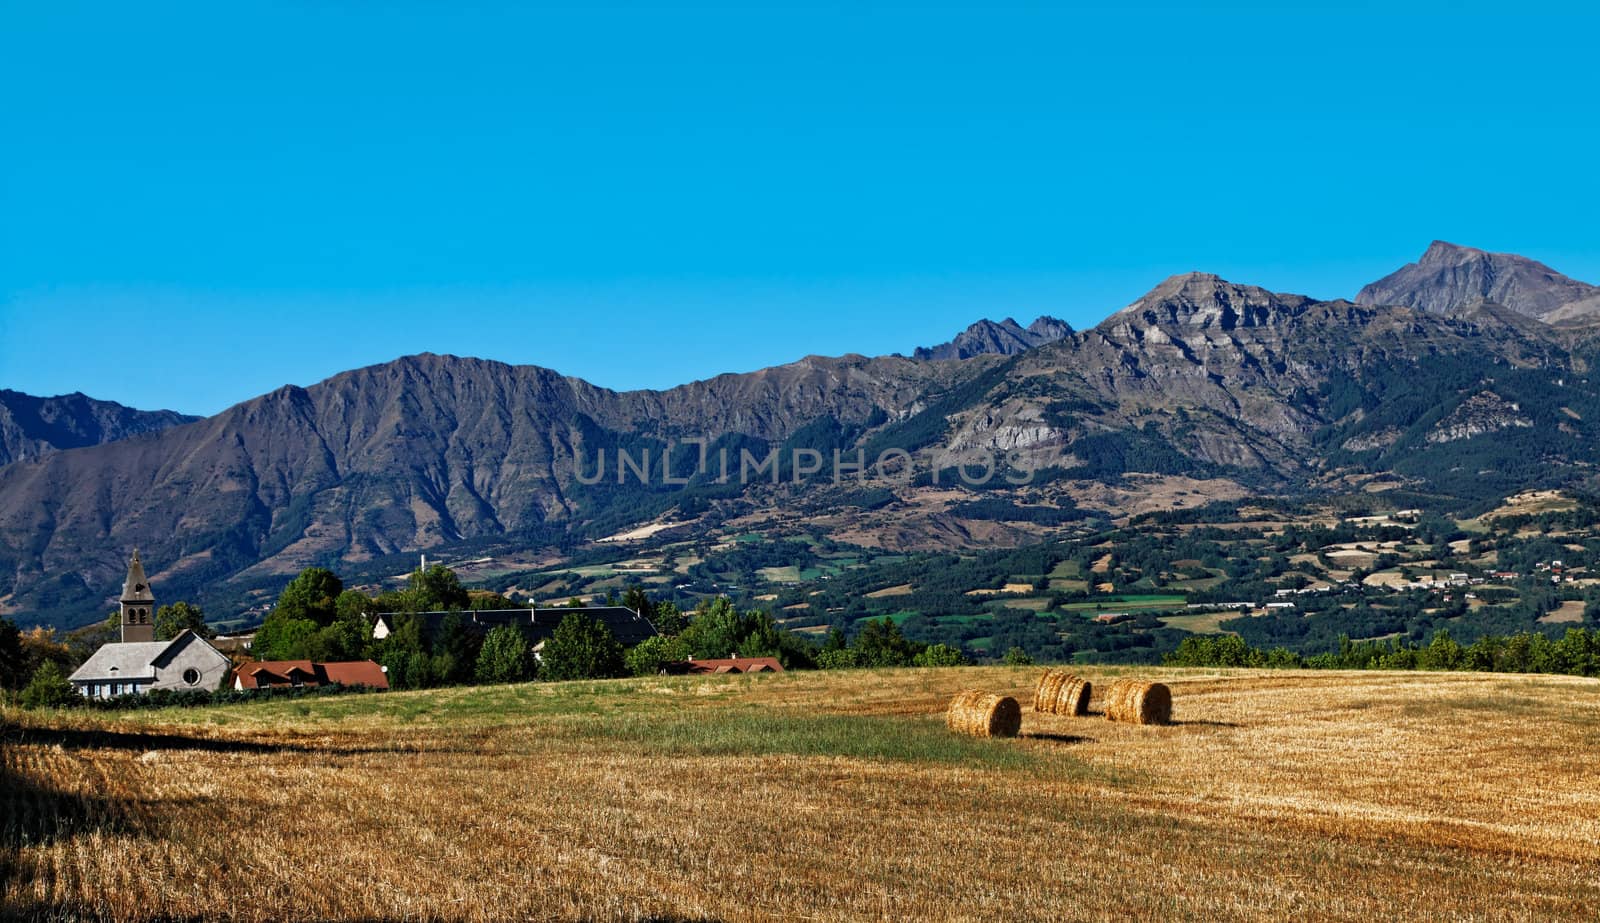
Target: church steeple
(138, 604)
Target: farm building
(628, 626)
(276, 674)
(139, 663)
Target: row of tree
(1576, 653)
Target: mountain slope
(416, 453)
(1006, 338)
(31, 426)
(1449, 278)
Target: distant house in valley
(627, 625)
(726, 665)
(288, 674)
(139, 663)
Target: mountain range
(1457, 379)
(32, 427)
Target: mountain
(1221, 388)
(1006, 338)
(31, 427)
(1450, 278)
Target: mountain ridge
(1448, 278)
(1199, 378)
(32, 426)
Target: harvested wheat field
(1294, 795)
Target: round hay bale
(1137, 702)
(984, 714)
(1074, 697)
(1044, 696)
(1061, 693)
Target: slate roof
(132, 659)
(121, 660)
(136, 588)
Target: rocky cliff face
(31, 427)
(1450, 278)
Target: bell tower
(138, 604)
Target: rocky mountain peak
(1006, 338)
(1452, 279)
(1203, 299)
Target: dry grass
(1307, 796)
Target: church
(138, 662)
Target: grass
(1128, 601)
(1294, 795)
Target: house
(627, 625)
(726, 665)
(1112, 618)
(139, 663)
(281, 674)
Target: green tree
(1017, 657)
(635, 598)
(283, 638)
(312, 595)
(939, 655)
(581, 648)
(668, 619)
(49, 688)
(881, 644)
(438, 589)
(174, 619)
(840, 658)
(455, 649)
(504, 657)
(649, 656)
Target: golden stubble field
(1294, 795)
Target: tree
(881, 644)
(438, 588)
(504, 657)
(11, 661)
(312, 595)
(635, 598)
(939, 655)
(1017, 657)
(174, 619)
(668, 619)
(283, 638)
(648, 657)
(455, 649)
(581, 648)
(49, 688)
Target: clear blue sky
(200, 203)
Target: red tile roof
(268, 673)
(736, 665)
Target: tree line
(1576, 653)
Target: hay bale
(1138, 702)
(1044, 695)
(1061, 693)
(984, 714)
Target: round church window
(191, 676)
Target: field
(1317, 796)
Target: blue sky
(200, 203)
